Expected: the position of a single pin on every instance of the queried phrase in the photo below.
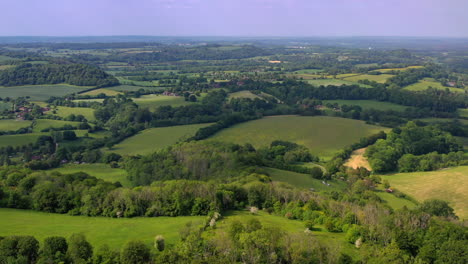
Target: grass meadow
(98, 170)
(105, 91)
(40, 92)
(98, 230)
(429, 82)
(446, 184)
(154, 101)
(243, 94)
(19, 139)
(369, 104)
(336, 82)
(64, 111)
(382, 78)
(152, 139)
(49, 123)
(323, 135)
(13, 124)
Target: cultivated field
(49, 123)
(323, 135)
(152, 139)
(382, 78)
(429, 82)
(243, 94)
(40, 92)
(446, 184)
(98, 170)
(368, 104)
(20, 139)
(13, 124)
(303, 180)
(105, 91)
(154, 101)
(98, 230)
(357, 160)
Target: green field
(308, 71)
(5, 105)
(398, 69)
(98, 170)
(153, 139)
(382, 78)
(64, 111)
(132, 88)
(369, 104)
(40, 92)
(463, 112)
(395, 202)
(98, 230)
(336, 82)
(13, 124)
(333, 240)
(20, 139)
(323, 135)
(105, 91)
(303, 180)
(443, 120)
(447, 184)
(48, 123)
(154, 101)
(244, 94)
(429, 82)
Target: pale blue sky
(235, 17)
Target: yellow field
(357, 160)
(107, 92)
(382, 78)
(450, 185)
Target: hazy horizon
(240, 18)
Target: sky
(446, 18)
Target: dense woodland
(196, 177)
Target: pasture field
(463, 112)
(98, 170)
(333, 240)
(48, 123)
(308, 71)
(446, 184)
(152, 139)
(336, 82)
(243, 94)
(19, 139)
(395, 202)
(114, 232)
(153, 101)
(13, 124)
(40, 92)
(131, 88)
(429, 82)
(5, 105)
(105, 91)
(398, 69)
(323, 135)
(303, 180)
(64, 111)
(97, 100)
(369, 104)
(382, 78)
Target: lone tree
(159, 242)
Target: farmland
(107, 92)
(301, 180)
(19, 140)
(326, 82)
(153, 139)
(98, 230)
(369, 104)
(382, 78)
(429, 82)
(98, 170)
(244, 94)
(322, 135)
(49, 123)
(64, 111)
(40, 92)
(13, 125)
(446, 184)
(153, 101)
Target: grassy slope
(98, 230)
(368, 104)
(40, 92)
(107, 92)
(326, 82)
(153, 101)
(243, 94)
(47, 123)
(13, 125)
(446, 184)
(303, 180)
(153, 139)
(20, 139)
(323, 135)
(334, 240)
(395, 202)
(382, 78)
(98, 170)
(65, 111)
(426, 82)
